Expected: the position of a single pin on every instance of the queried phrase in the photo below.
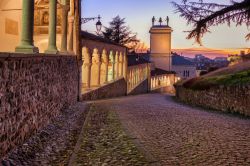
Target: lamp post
(98, 23)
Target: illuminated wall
(160, 47)
(10, 24)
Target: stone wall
(227, 99)
(143, 87)
(34, 89)
(167, 89)
(115, 88)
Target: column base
(106, 82)
(51, 51)
(26, 49)
(87, 89)
(64, 52)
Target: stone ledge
(28, 55)
(114, 88)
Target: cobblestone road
(176, 134)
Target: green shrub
(203, 83)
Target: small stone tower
(160, 45)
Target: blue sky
(138, 14)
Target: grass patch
(203, 83)
(105, 143)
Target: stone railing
(101, 67)
(161, 81)
(103, 62)
(136, 75)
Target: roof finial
(160, 21)
(167, 21)
(153, 21)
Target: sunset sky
(221, 41)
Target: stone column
(71, 34)
(125, 68)
(117, 64)
(136, 76)
(152, 83)
(52, 49)
(145, 72)
(130, 79)
(88, 79)
(138, 73)
(105, 61)
(106, 71)
(165, 80)
(141, 73)
(65, 10)
(121, 64)
(133, 77)
(113, 70)
(99, 73)
(112, 62)
(27, 44)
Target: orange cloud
(209, 52)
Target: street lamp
(98, 23)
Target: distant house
(184, 68)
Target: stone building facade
(27, 26)
(161, 55)
(160, 46)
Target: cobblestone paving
(52, 145)
(103, 142)
(176, 134)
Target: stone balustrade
(101, 67)
(161, 81)
(136, 75)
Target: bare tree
(203, 15)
